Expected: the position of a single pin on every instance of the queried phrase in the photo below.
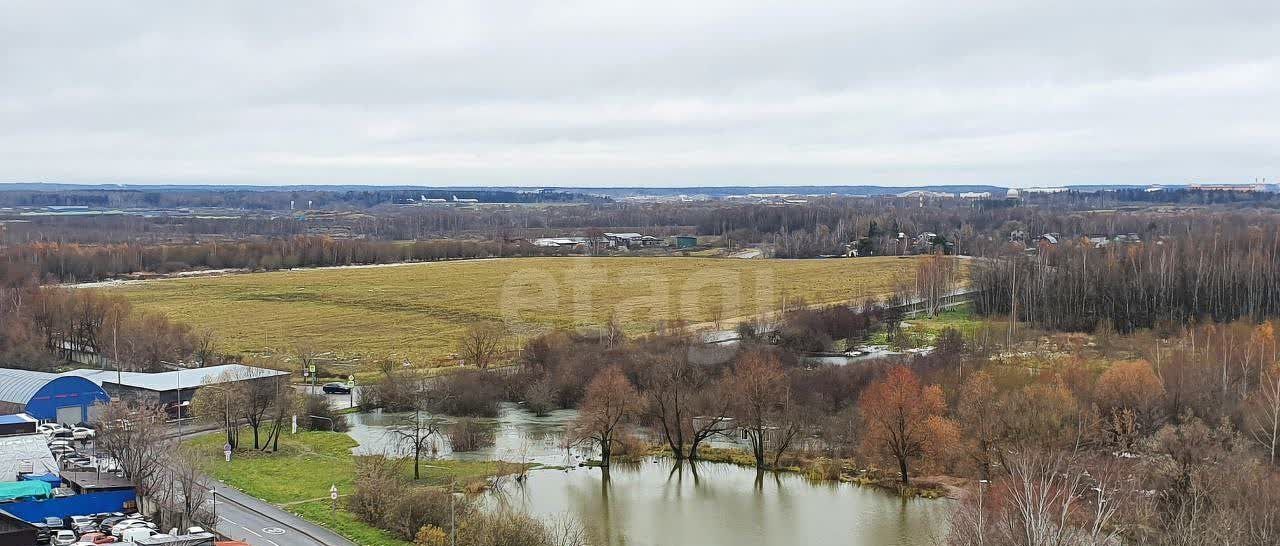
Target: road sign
(226, 450)
(333, 495)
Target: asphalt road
(261, 524)
(336, 401)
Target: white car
(63, 537)
(83, 433)
(82, 524)
(48, 429)
(132, 534)
(119, 528)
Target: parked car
(57, 431)
(77, 461)
(79, 524)
(97, 538)
(118, 529)
(54, 523)
(42, 533)
(83, 433)
(59, 451)
(107, 523)
(336, 388)
(63, 537)
(49, 428)
(132, 534)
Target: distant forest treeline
(269, 199)
(1215, 270)
(85, 263)
(84, 248)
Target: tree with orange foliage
(902, 417)
(1131, 385)
(979, 413)
(610, 399)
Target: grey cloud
(654, 93)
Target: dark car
(336, 388)
(107, 523)
(42, 533)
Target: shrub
(507, 528)
(823, 468)
(430, 535)
(385, 498)
(413, 508)
(540, 397)
(471, 393)
(469, 435)
(393, 392)
(318, 405)
(629, 446)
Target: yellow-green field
(418, 312)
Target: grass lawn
(307, 464)
(418, 312)
(298, 477)
(345, 524)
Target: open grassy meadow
(418, 312)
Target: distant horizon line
(10, 186)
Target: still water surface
(658, 503)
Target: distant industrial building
(173, 389)
(975, 195)
(1246, 188)
(49, 397)
(560, 242)
(630, 240)
(686, 241)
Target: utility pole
(453, 525)
(177, 374)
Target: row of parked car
(69, 446)
(102, 528)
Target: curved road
(262, 524)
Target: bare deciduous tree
(134, 435)
(416, 433)
(760, 391)
(1264, 413)
(482, 344)
(610, 399)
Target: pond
(657, 502)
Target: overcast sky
(645, 93)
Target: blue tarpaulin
(52, 479)
(75, 505)
(19, 490)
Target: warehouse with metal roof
(173, 390)
(49, 397)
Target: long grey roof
(25, 453)
(18, 386)
(164, 381)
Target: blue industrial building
(49, 397)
